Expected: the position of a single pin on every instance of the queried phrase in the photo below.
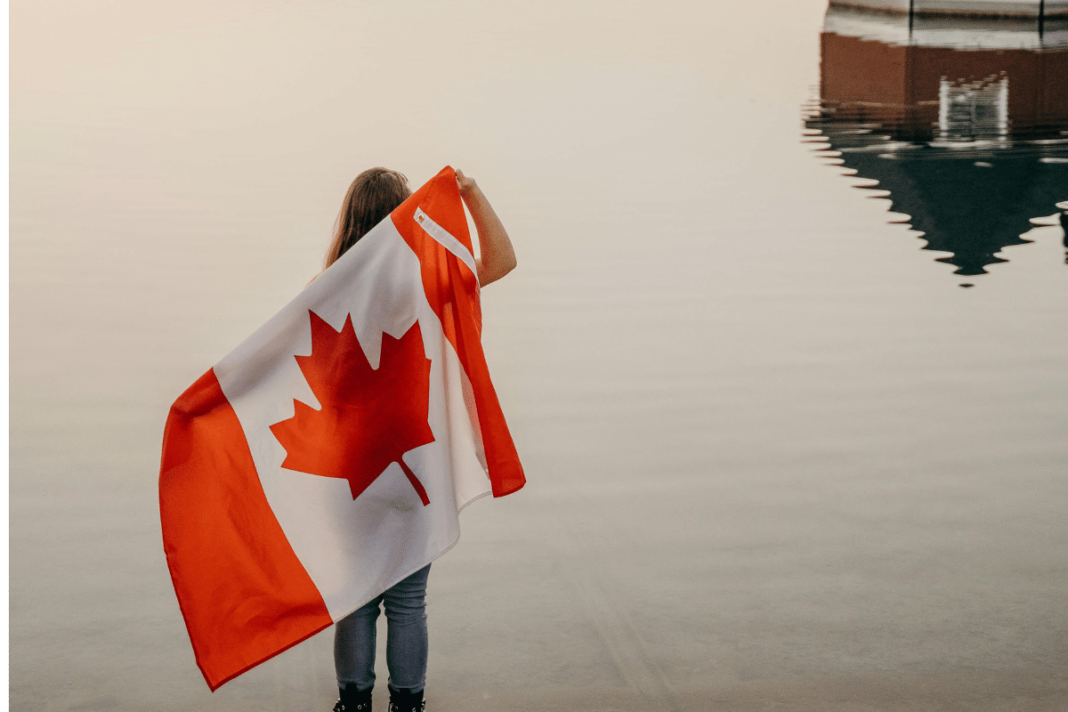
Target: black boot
(353, 700)
(404, 701)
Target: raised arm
(497, 256)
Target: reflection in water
(963, 121)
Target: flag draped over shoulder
(328, 456)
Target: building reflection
(963, 121)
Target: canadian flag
(329, 455)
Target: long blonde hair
(372, 196)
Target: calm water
(778, 457)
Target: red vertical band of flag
(453, 295)
(243, 593)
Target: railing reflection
(963, 121)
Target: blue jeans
(406, 639)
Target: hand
(465, 184)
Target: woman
(371, 198)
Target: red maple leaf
(368, 418)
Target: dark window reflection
(963, 120)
